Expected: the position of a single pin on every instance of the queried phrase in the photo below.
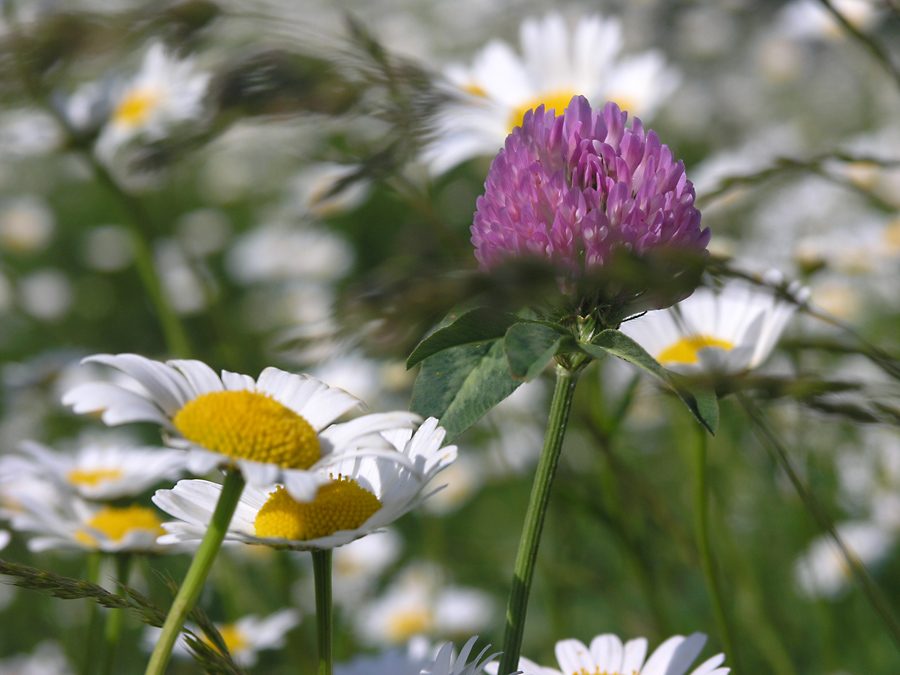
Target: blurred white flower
(28, 133)
(202, 232)
(728, 330)
(165, 91)
(492, 96)
(311, 190)
(46, 659)
(46, 294)
(244, 638)
(95, 472)
(358, 566)
(282, 251)
(808, 19)
(108, 248)
(822, 572)
(4, 539)
(26, 224)
(409, 661)
(418, 603)
(183, 285)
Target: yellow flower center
(556, 100)
(341, 504)
(249, 425)
(135, 107)
(234, 638)
(685, 350)
(93, 477)
(117, 523)
(409, 623)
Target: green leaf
(476, 326)
(702, 403)
(460, 384)
(531, 345)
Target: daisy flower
(165, 91)
(491, 98)
(420, 603)
(729, 330)
(355, 496)
(96, 472)
(608, 655)
(4, 539)
(273, 429)
(74, 523)
(822, 572)
(244, 638)
(444, 664)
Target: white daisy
(729, 330)
(444, 663)
(419, 602)
(4, 539)
(491, 97)
(74, 523)
(354, 497)
(272, 429)
(408, 661)
(96, 471)
(608, 655)
(165, 91)
(822, 572)
(244, 638)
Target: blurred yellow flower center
(475, 90)
(341, 504)
(93, 477)
(408, 623)
(685, 350)
(135, 107)
(233, 637)
(249, 425)
(556, 100)
(117, 523)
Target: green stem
(176, 338)
(818, 512)
(92, 574)
(534, 517)
(196, 576)
(701, 507)
(324, 618)
(114, 618)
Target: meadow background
(293, 222)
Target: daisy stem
(534, 517)
(91, 574)
(324, 619)
(701, 515)
(114, 618)
(196, 576)
(873, 594)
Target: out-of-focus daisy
(492, 96)
(273, 428)
(419, 603)
(46, 659)
(729, 330)
(5, 536)
(822, 572)
(444, 663)
(356, 496)
(165, 91)
(808, 19)
(391, 662)
(244, 638)
(608, 655)
(358, 565)
(75, 523)
(95, 471)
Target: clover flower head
(575, 188)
